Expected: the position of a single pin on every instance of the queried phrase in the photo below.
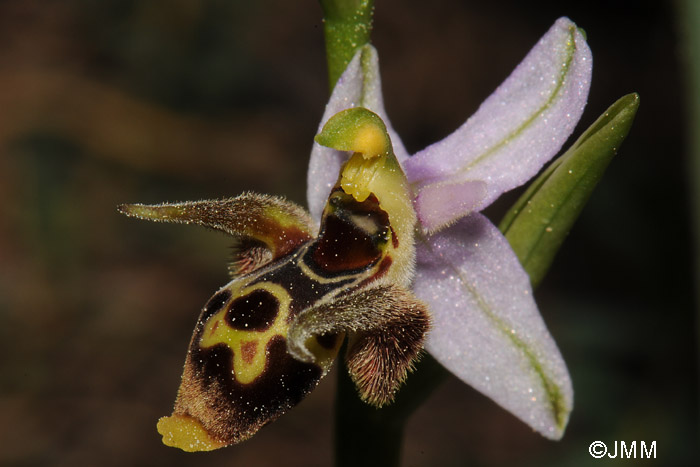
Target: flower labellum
(264, 340)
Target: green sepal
(539, 221)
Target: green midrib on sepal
(536, 114)
(553, 393)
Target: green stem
(363, 436)
(368, 436)
(347, 25)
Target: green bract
(539, 221)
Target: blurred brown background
(112, 101)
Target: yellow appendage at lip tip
(186, 433)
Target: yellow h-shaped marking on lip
(249, 347)
(249, 356)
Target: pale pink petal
(521, 125)
(359, 85)
(487, 329)
(440, 204)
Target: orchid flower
(394, 256)
(487, 329)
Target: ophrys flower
(264, 340)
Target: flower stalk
(347, 25)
